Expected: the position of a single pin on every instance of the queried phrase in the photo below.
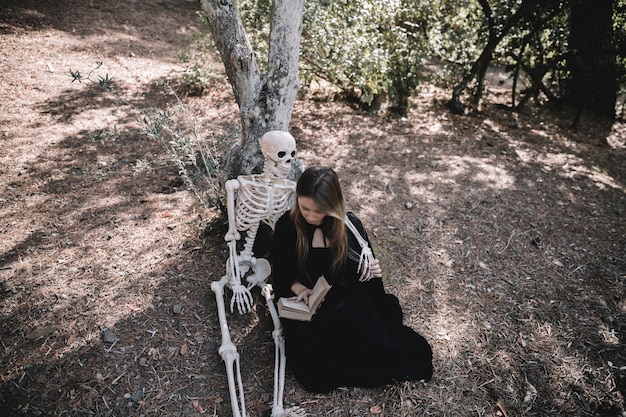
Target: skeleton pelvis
(254, 270)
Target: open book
(290, 309)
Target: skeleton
(261, 198)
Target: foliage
(538, 49)
(366, 49)
(197, 77)
(103, 135)
(533, 51)
(105, 83)
(406, 41)
(198, 159)
(195, 80)
(456, 35)
(369, 50)
(256, 16)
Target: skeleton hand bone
(368, 265)
(375, 270)
(242, 298)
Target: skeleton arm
(231, 188)
(232, 236)
(368, 266)
(241, 295)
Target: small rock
(108, 336)
(137, 396)
(177, 309)
(41, 332)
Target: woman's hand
(375, 269)
(302, 292)
(304, 295)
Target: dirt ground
(503, 235)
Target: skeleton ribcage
(258, 202)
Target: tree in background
(592, 61)
(367, 52)
(565, 51)
(502, 20)
(265, 99)
(372, 51)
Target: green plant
(102, 135)
(105, 83)
(367, 50)
(196, 80)
(198, 159)
(198, 75)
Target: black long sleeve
(285, 269)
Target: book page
(295, 305)
(319, 292)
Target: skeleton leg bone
(280, 360)
(228, 352)
(279, 357)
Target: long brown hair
(322, 185)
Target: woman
(356, 338)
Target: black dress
(357, 337)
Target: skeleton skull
(279, 149)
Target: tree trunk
(497, 32)
(265, 99)
(592, 64)
(480, 66)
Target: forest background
(502, 230)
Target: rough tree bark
(265, 99)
